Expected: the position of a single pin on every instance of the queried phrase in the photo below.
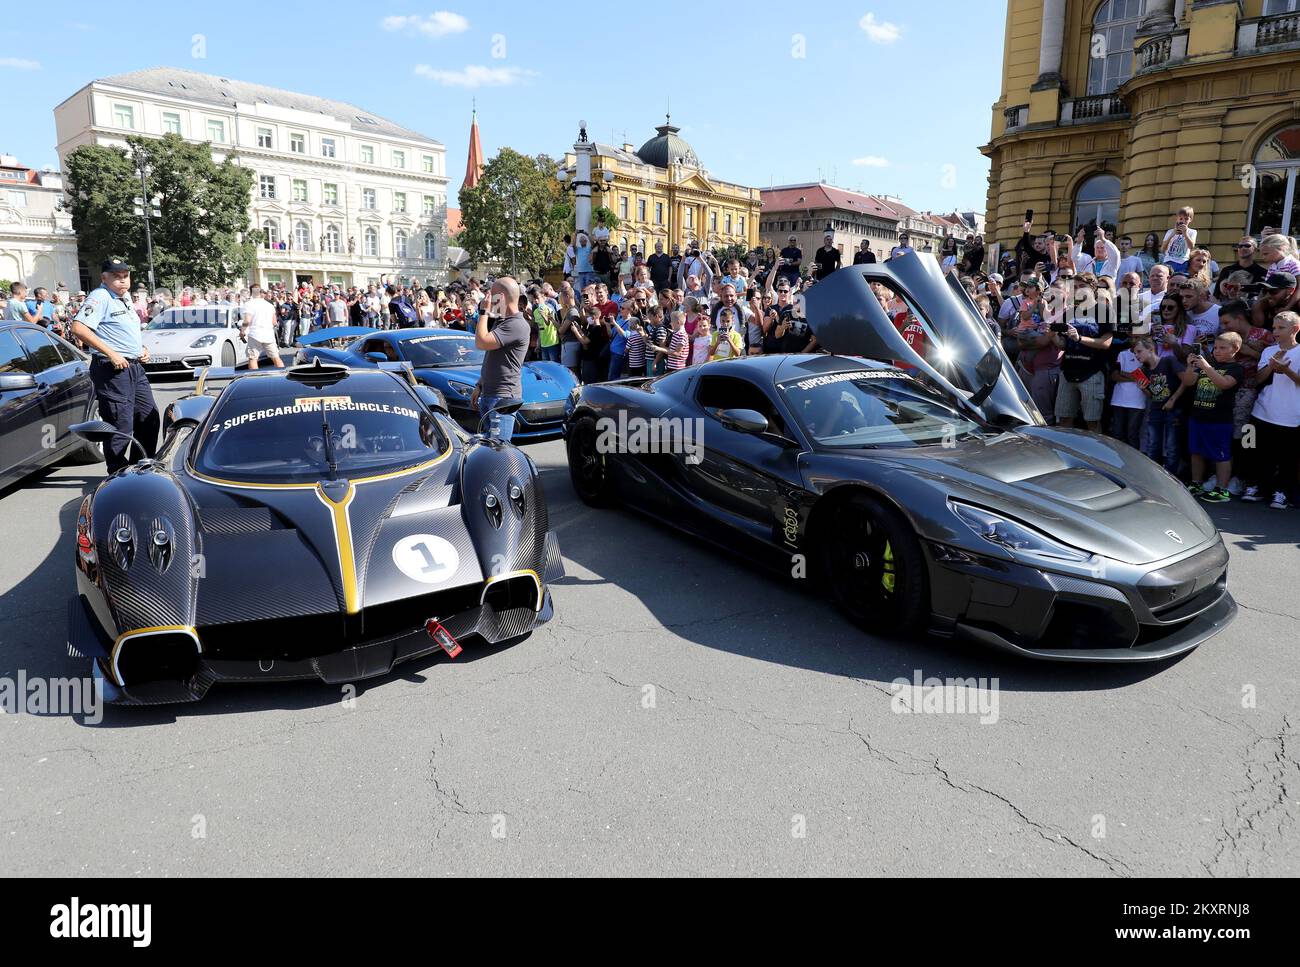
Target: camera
(1061, 327)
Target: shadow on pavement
(767, 617)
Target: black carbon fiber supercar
(921, 493)
(311, 523)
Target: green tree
(612, 221)
(201, 235)
(513, 181)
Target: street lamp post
(147, 208)
(516, 241)
(579, 180)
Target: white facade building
(37, 244)
(344, 196)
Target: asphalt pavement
(682, 714)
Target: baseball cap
(996, 277)
(114, 264)
(1277, 281)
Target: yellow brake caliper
(888, 575)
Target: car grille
(543, 412)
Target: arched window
(370, 242)
(302, 236)
(270, 232)
(399, 240)
(332, 237)
(430, 246)
(1110, 60)
(1097, 203)
(1275, 193)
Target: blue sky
(884, 96)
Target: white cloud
(19, 64)
(474, 75)
(438, 24)
(871, 161)
(880, 31)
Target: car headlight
(1018, 538)
(464, 389)
(202, 341)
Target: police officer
(109, 325)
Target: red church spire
(474, 165)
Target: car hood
(847, 319)
(294, 531)
(539, 382)
(162, 340)
(1088, 491)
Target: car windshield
(200, 317)
(266, 437)
(874, 408)
(442, 350)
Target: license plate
(159, 359)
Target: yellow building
(661, 193)
(1121, 111)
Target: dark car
(923, 496)
(45, 388)
(447, 360)
(317, 523)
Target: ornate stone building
(37, 244)
(662, 193)
(1121, 111)
(342, 195)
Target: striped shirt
(635, 350)
(678, 347)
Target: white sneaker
(1235, 486)
(1210, 483)
(1279, 501)
(1252, 495)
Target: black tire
(227, 354)
(85, 455)
(587, 467)
(874, 567)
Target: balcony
(1159, 52)
(1016, 117)
(1089, 110)
(1280, 30)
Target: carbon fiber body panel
(303, 572)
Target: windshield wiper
(329, 441)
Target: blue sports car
(447, 360)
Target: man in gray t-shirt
(502, 333)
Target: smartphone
(1061, 327)
(1029, 214)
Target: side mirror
(377, 357)
(504, 409)
(96, 431)
(99, 431)
(743, 421)
(17, 381)
(987, 371)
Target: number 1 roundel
(426, 558)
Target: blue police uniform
(125, 398)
